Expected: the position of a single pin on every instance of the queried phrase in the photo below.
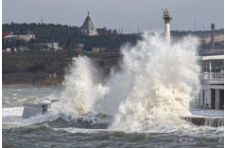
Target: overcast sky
(115, 14)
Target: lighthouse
(167, 19)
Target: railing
(213, 76)
(217, 76)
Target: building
(88, 27)
(211, 94)
(10, 50)
(207, 52)
(8, 42)
(51, 45)
(7, 34)
(24, 35)
(22, 48)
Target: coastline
(29, 85)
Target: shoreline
(29, 85)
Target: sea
(140, 106)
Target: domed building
(88, 27)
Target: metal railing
(213, 76)
(217, 76)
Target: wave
(155, 86)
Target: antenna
(42, 20)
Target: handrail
(212, 76)
(217, 76)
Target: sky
(114, 14)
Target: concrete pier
(206, 117)
(36, 108)
(205, 121)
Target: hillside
(64, 34)
(70, 35)
(47, 68)
(41, 69)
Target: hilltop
(71, 36)
(108, 38)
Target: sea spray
(81, 87)
(162, 78)
(154, 88)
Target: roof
(24, 32)
(5, 33)
(89, 25)
(215, 57)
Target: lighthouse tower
(167, 19)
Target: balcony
(212, 78)
(217, 76)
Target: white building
(52, 45)
(212, 86)
(7, 34)
(24, 35)
(88, 27)
(10, 50)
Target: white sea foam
(161, 79)
(81, 88)
(154, 88)
(13, 116)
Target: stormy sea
(141, 105)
